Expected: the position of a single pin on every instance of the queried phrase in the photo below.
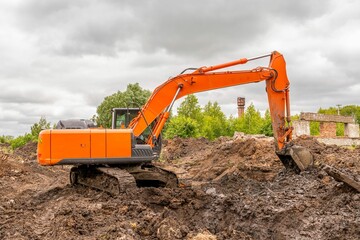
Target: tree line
(210, 122)
(192, 120)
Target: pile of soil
(237, 189)
(27, 152)
(342, 157)
(203, 160)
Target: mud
(233, 189)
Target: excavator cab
(121, 117)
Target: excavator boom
(205, 79)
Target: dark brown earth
(236, 189)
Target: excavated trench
(231, 189)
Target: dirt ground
(236, 189)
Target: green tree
(133, 96)
(252, 120)
(181, 126)
(314, 128)
(187, 122)
(331, 110)
(37, 127)
(6, 139)
(340, 129)
(190, 108)
(210, 122)
(32, 136)
(351, 110)
(236, 124)
(212, 128)
(214, 122)
(266, 126)
(22, 140)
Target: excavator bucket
(296, 158)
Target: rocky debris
(347, 178)
(238, 190)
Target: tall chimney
(241, 106)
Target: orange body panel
(69, 143)
(98, 143)
(59, 144)
(118, 145)
(43, 149)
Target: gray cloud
(190, 28)
(61, 58)
(12, 94)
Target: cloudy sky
(60, 58)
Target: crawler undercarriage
(117, 179)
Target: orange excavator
(121, 157)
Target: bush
(183, 127)
(22, 140)
(6, 139)
(27, 137)
(37, 127)
(210, 122)
(213, 128)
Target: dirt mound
(341, 157)
(249, 157)
(239, 191)
(27, 152)
(179, 147)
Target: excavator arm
(207, 78)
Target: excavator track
(116, 180)
(149, 175)
(111, 180)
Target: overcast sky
(60, 58)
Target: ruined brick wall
(328, 129)
(328, 124)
